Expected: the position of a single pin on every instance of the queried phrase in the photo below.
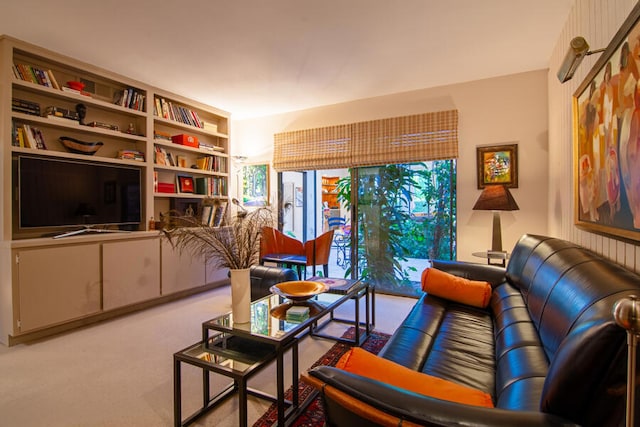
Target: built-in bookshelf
(55, 99)
(62, 110)
(190, 145)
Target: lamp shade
(495, 198)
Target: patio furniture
(341, 240)
(317, 251)
(286, 251)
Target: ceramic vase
(241, 295)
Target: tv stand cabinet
(50, 284)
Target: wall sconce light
(578, 49)
(496, 198)
(240, 159)
(242, 212)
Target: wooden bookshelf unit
(48, 102)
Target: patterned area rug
(314, 414)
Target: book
(297, 314)
(160, 156)
(39, 138)
(181, 161)
(337, 286)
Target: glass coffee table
(240, 350)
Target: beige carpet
(120, 372)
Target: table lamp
(626, 313)
(496, 198)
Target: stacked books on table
(297, 314)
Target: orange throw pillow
(454, 288)
(361, 362)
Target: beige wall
(597, 21)
(510, 109)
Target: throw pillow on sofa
(361, 362)
(454, 288)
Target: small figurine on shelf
(81, 109)
(131, 129)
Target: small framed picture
(185, 184)
(498, 164)
(255, 185)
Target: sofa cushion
(471, 292)
(361, 362)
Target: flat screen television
(70, 194)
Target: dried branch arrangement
(234, 246)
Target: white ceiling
(261, 57)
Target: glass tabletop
(268, 317)
(227, 354)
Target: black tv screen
(62, 193)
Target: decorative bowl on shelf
(80, 147)
(299, 290)
(75, 85)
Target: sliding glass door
(405, 215)
(393, 219)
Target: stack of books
(24, 106)
(131, 155)
(162, 136)
(297, 314)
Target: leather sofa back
(262, 278)
(569, 293)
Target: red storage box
(183, 139)
(166, 187)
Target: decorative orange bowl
(299, 290)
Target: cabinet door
(215, 274)
(180, 271)
(131, 272)
(57, 284)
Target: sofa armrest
(473, 271)
(412, 407)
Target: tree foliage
(404, 211)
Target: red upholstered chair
(275, 242)
(277, 247)
(317, 251)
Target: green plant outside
(404, 211)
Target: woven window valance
(416, 138)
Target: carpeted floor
(314, 415)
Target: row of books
(169, 110)
(164, 158)
(35, 75)
(211, 163)
(130, 98)
(211, 186)
(27, 136)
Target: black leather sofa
(546, 349)
(263, 277)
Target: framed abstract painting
(497, 164)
